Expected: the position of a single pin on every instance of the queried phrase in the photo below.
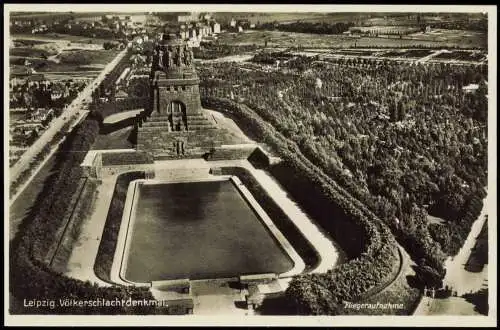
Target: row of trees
(432, 157)
(30, 277)
(369, 243)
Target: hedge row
(364, 238)
(30, 277)
(105, 255)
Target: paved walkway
(82, 259)
(216, 297)
(458, 278)
(448, 306)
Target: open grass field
(199, 230)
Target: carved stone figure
(155, 57)
(180, 57)
(189, 57)
(160, 59)
(169, 59)
(174, 56)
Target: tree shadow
(235, 285)
(413, 281)
(479, 299)
(132, 137)
(276, 305)
(241, 304)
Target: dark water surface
(199, 230)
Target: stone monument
(173, 123)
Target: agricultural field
(59, 37)
(460, 38)
(307, 40)
(268, 17)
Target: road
(458, 278)
(56, 125)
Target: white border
(275, 320)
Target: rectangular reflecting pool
(198, 230)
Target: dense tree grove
(369, 245)
(30, 277)
(406, 140)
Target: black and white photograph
(250, 164)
